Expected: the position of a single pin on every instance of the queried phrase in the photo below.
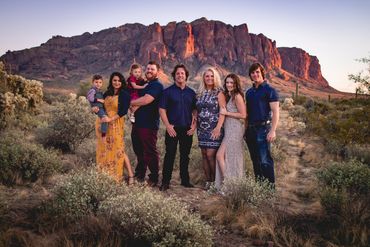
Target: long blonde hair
(216, 78)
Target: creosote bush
(138, 215)
(71, 123)
(81, 192)
(345, 198)
(246, 192)
(151, 218)
(22, 162)
(352, 175)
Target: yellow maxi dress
(110, 153)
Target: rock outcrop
(201, 42)
(299, 63)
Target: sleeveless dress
(110, 154)
(234, 149)
(208, 114)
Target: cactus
(17, 94)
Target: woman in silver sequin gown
(230, 158)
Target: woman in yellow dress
(110, 150)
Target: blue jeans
(260, 151)
(104, 126)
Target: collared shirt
(147, 116)
(179, 104)
(258, 102)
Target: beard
(151, 76)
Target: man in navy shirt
(145, 129)
(177, 111)
(262, 119)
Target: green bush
(22, 162)
(138, 215)
(246, 192)
(148, 217)
(81, 193)
(352, 175)
(345, 198)
(360, 152)
(71, 122)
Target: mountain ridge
(69, 60)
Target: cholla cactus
(17, 95)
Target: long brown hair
(110, 90)
(237, 87)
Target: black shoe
(139, 179)
(187, 185)
(152, 184)
(164, 187)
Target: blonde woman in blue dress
(230, 160)
(210, 99)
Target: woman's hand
(191, 131)
(215, 133)
(105, 119)
(223, 111)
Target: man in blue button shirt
(177, 111)
(262, 119)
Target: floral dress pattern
(208, 114)
(110, 153)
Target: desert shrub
(246, 192)
(81, 192)
(86, 152)
(277, 151)
(341, 123)
(147, 217)
(345, 198)
(21, 161)
(84, 88)
(71, 122)
(139, 216)
(359, 152)
(298, 112)
(352, 175)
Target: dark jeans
(185, 141)
(259, 149)
(103, 126)
(144, 143)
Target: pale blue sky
(337, 32)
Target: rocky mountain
(197, 44)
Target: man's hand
(271, 136)
(100, 100)
(171, 130)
